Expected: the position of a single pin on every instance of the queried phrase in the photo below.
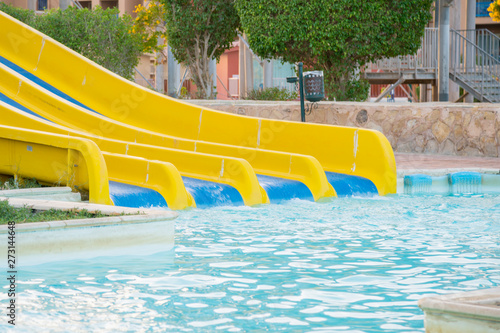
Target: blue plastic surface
(348, 185)
(208, 194)
(464, 177)
(42, 83)
(280, 189)
(134, 196)
(417, 183)
(465, 182)
(15, 104)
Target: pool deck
(435, 162)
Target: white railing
(426, 58)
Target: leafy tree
(200, 30)
(100, 35)
(337, 36)
(150, 26)
(494, 10)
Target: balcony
(482, 8)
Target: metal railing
(426, 58)
(485, 39)
(474, 65)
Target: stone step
(46, 193)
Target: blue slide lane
(280, 189)
(209, 194)
(214, 194)
(134, 196)
(205, 193)
(42, 83)
(348, 185)
(15, 104)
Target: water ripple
(350, 265)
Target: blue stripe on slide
(42, 83)
(349, 185)
(280, 189)
(15, 104)
(209, 194)
(134, 196)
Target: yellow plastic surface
(55, 159)
(162, 177)
(231, 171)
(352, 151)
(272, 163)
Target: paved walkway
(421, 161)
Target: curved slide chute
(266, 158)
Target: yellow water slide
(297, 167)
(56, 159)
(123, 118)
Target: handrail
(468, 58)
(474, 45)
(425, 59)
(484, 38)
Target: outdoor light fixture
(311, 86)
(314, 86)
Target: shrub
(271, 94)
(100, 35)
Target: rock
(474, 129)
(362, 117)
(447, 148)
(460, 144)
(469, 151)
(378, 116)
(440, 131)
(431, 147)
(489, 146)
(407, 147)
(434, 116)
(450, 119)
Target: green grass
(15, 183)
(26, 214)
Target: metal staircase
(476, 68)
(474, 64)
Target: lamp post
(311, 88)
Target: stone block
(441, 131)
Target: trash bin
(314, 87)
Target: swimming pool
(350, 265)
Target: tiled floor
(420, 161)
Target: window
(109, 4)
(86, 4)
(482, 8)
(41, 5)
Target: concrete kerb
(137, 215)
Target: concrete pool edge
(441, 184)
(147, 232)
(474, 311)
(401, 173)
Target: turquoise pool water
(351, 265)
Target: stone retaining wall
(434, 128)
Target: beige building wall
(17, 3)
